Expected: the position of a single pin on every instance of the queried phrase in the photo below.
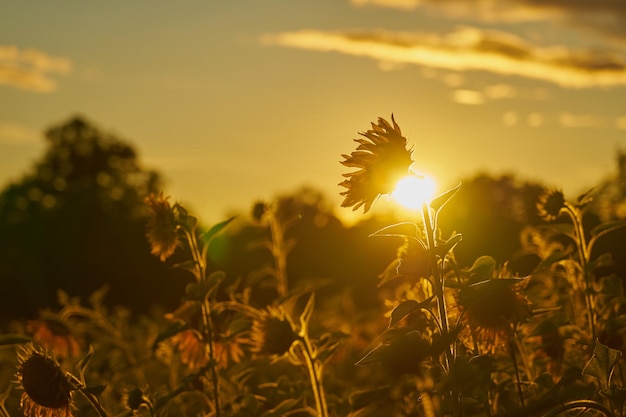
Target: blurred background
(221, 104)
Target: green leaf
(407, 307)
(482, 269)
(602, 363)
(173, 329)
(475, 293)
(607, 227)
(443, 249)
(196, 291)
(441, 200)
(10, 339)
(584, 199)
(375, 355)
(216, 229)
(404, 229)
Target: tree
(76, 222)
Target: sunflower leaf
(445, 248)
(216, 229)
(82, 364)
(602, 363)
(438, 202)
(282, 408)
(306, 314)
(405, 308)
(403, 229)
(173, 329)
(13, 339)
(478, 291)
(363, 398)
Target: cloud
(30, 69)
(395, 4)
(469, 49)
(16, 134)
(593, 11)
(571, 120)
(470, 97)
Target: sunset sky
(234, 101)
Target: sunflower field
(441, 330)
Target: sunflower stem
(441, 302)
(80, 387)
(278, 252)
(520, 393)
(206, 317)
(315, 374)
(581, 246)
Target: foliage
(258, 331)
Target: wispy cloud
(604, 17)
(572, 120)
(30, 69)
(469, 49)
(17, 134)
(471, 97)
(396, 4)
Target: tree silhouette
(76, 223)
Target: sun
(414, 190)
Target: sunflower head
(55, 334)
(134, 398)
(47, 390)
(162, 227)
(272, 333)
(381, 159)
(493, 308)
(191, 347)
(550, 204)
(258, 210)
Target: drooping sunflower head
(382, 160)
(272, 333)
(54, 333)
(493, 308)
(47, 390)
(162, 227)
(550, 204)
(191, 348)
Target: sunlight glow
(414, 190)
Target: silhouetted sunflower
(191, 347)
(162, 227)
(53, 333)
(382, 159)
(493, 308)
(550, 204)
(272, 333)
(47, 390)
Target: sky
(238, 101)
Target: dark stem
(520, 392)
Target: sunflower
(53, 333)
(162, 227)
(493, 308)
(191, 347)
(272, 333)
(382, 160)
(550, 204)
(47, 390)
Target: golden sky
(236, 101)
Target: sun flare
(414, 190)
